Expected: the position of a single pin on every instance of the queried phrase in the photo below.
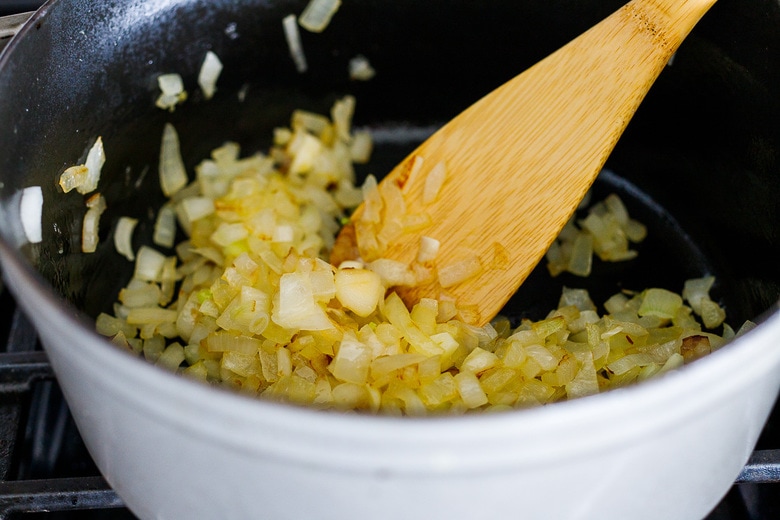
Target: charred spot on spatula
(345, 247)
(407, 171)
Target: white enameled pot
(175, 449)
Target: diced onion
(165, 227)
(359, 290)
(360, 68)
(661, 303)
(84, 178)
(209, 73)
(317, 14)
(170, 84)
(433, 182)
(361, 147)
(697, 290)
(297, 308)
(459, 271)
(606, 232)
(470, 390)
(196, 208)
(148, 264)
(30, 211)
(94, 164)
(96, 205)
(173, 176)
(172, 88)
(429, 248)
(123, 237)
(293, 37)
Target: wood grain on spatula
(520, 160)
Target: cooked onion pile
(249, 302)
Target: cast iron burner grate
(47, 473)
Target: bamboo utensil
(519, 161)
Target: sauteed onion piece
(96, 205)
(317, 14)
(30, 212)
(209, 73)
(172, 88)
(84, 178)
(293, 37)
(123, 237)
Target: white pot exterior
(173, 448)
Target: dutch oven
(699, 164)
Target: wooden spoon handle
(520, 159)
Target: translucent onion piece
(317, 14)
(94, 164)
(73, 177)
(581, 255)
(170, 84)
(96, 205)
(697, 290)
(172, 88)
(470, 390)
(361, 147)
(359, 290)
(459, 271)
(360, 68)
(341, 113)
(84, 178)
(429, 248)
(712, 314)
(661, 303)
(297, 308)
(30, 211)
(165, 227)
(433, 182)
(173, 176)
(195, 208)
(606, 231)
(123, 237)
(209, 73)
(148, 264)
(293, 37)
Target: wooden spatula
(520, 160)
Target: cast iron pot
(700, 164)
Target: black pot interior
(699, 164)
